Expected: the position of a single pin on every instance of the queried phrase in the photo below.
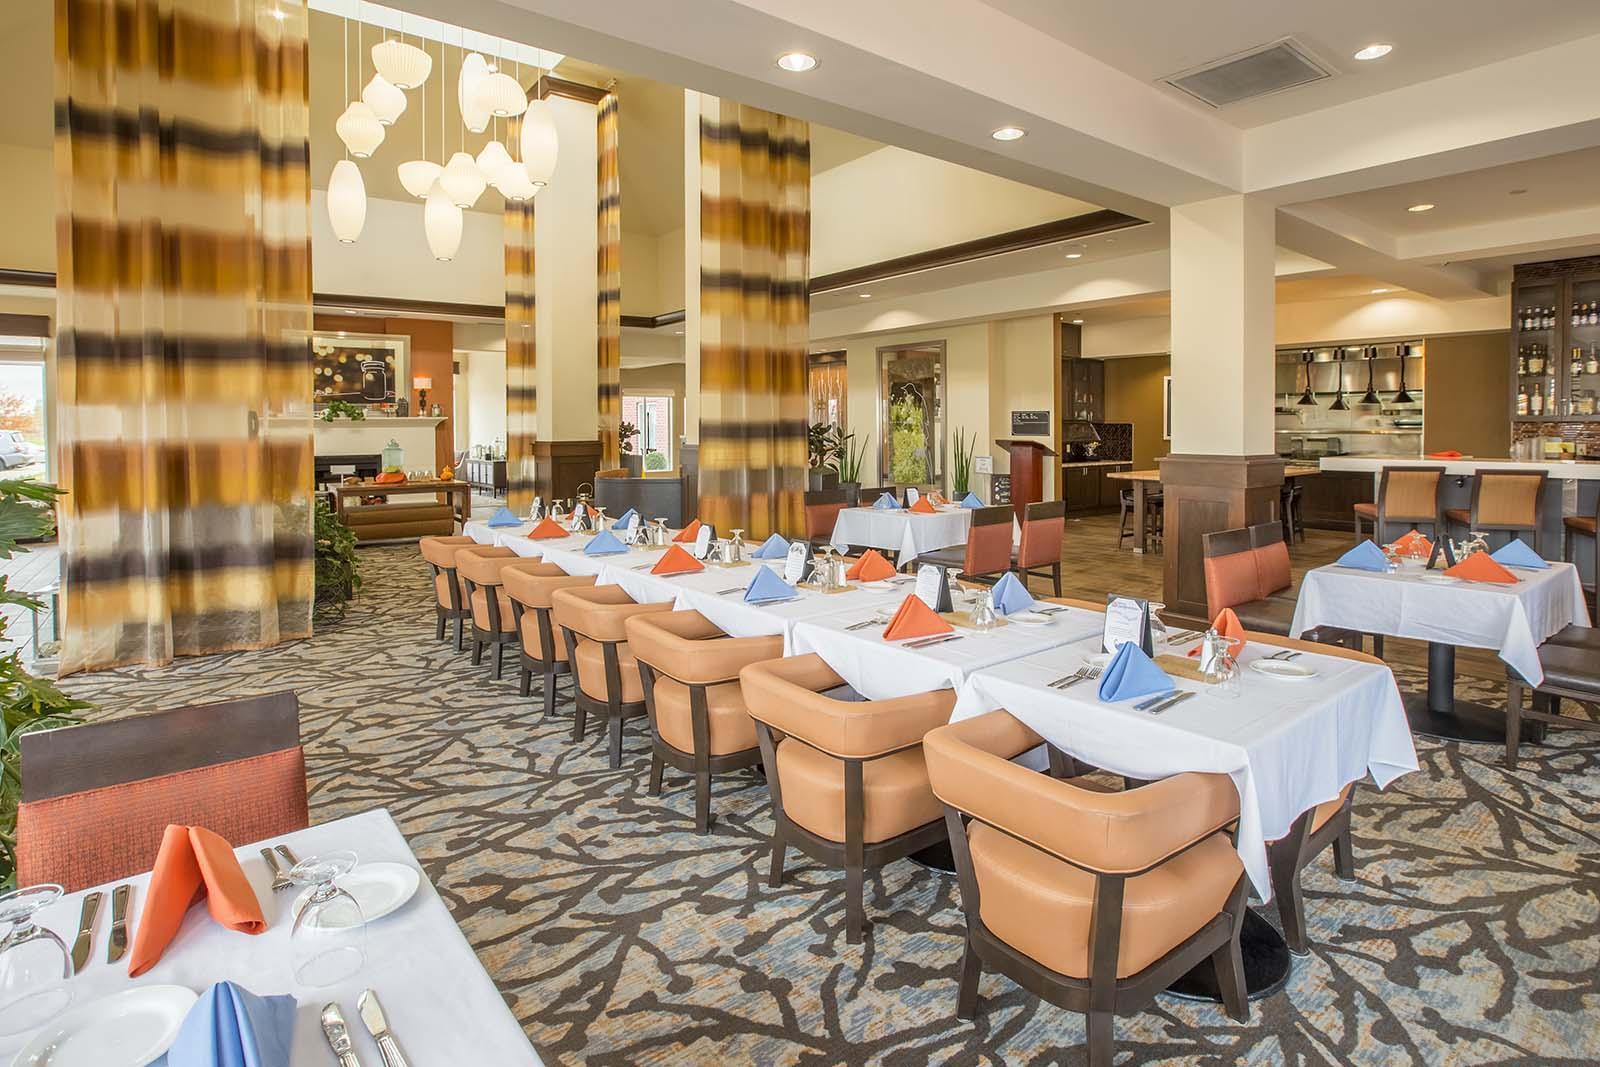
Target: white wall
(564, 281)
(391, 258)
(480, 398)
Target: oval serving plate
(127, 1029)
(1029, 618)
(1288, 670)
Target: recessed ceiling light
(1074, 255)
(678, 332)
(797, 62)
(1379, 292)
(1009, 133)
(1417, 209)
(279, 14)
(864, 296)
(1077, 322)
(1374, 51)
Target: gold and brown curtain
(521, 350)
(608, 256)
(184, 327)
(755, 236)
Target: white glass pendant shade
(386, 102)
(500, 95)
(347, 201)
(441, 221)
(418, 175)
(494, 163)
(539, 142)
(462, 181)
(402, 65)
(473, 70)
(359, 129)
(516, 185)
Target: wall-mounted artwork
(359, 368)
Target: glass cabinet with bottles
(1555, 341)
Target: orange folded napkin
(922, 507)
(193, 863)
(1227, 624)
(1448, 453)
(871, 567)
(592, 511)
(1482, 567)
(688, 532)
(677, 561)
(1414, 544)
(915, 619)
(548, 528)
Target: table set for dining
(901, 530)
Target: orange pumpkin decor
(390, 478)
(447, 474)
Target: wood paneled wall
(1466, 404)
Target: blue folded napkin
(504, 517)
(229, 1026)
(1366, 556)
(1514, 553)
(1132, 674)
(774, 547)
(1010, 595)
(886, 502)
(971, 501)
(767, 588)
(604, 543)
(627, 517)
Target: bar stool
(1153, 502)
(1504, 501)
(1405, 494)
(1575, 526)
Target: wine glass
(1159, 634)
(328, 942)
(34, 964)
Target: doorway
(911, 415)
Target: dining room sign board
(1030, 424)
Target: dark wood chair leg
(614, 728)
(1122, 519)
(438, 630)
(656, 768)
(1344, 856)
(702, 801)
(580, 719)
(550, 692)
(499, 660)
(967, 994)
(1228, 960)
(1102, 1027)
(461, 645)
(1286, 887)
(775, 871)
(1056, 573)
(1377, 645)
(855, 912)
(524, 682)
(477, 652)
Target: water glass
(328, 942)
(34, 963)
(1159, 634)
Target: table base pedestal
(1266, 965)
(1439, 714)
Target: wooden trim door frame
(936, 447)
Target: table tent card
(1127, 619)
(1444, 548)
(912, 495)
(933, 586)
(702, 541)
(1516, 553)
(504, 517)
(774, 547)
(795, 564)
(536, 510)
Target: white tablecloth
(1513, 619)
(1287, 745)
(442, 1006)
(902, 531)
(880, 670)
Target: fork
(1286, 654)
(1089, 674)
(862, 625)
(729, 592)
(1079, 673)
(280, 877)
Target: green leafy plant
(27, 703)
(336, 408)
(823, 444)
(961, 467)
(908, 442)
(626, 432)
(852, 458)
(338, 571)
(655, 461)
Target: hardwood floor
(1093, 566)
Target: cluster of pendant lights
(1371, 397)
(483, 94)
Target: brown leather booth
(392, 522)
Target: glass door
(911, 416)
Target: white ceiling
(1151, 39)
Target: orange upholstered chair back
(989, 541)
(1043, 526)
(1232, 576)
(96, 799)
(822, 512)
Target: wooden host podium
(1027, 471)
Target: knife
(338, 1036)
(119, 923)
(378, 1027)
(85, 941)
(1164, 705)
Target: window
(23, 430)
(651, 417)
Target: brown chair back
(822, 512)
(96, 799)
(870, 494)
(989, 541)
(1508, 499)
(1272, 558)
(1043, 526)
(1409, 495)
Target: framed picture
(1166, 408)
(368, 369)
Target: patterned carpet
(619, 937)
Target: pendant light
(1307, 398)
(515, 184)
(540, 144)
(1403, 397)
(418, 175)
(494, 162)
(500, 95)
(1371, 397)
(347, 201)
(474, 69)
(441, 222)
(358, 127)
(462, 181)
(1338, 400)
(405, 66)
(386, 102)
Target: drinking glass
(328, 942)
(34, 964)
(980, 610)
(1159, 634)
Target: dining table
(902, 531)
(1141, 481)
(441, 1005)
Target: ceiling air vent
(1272, 68)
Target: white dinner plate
(1097, 659)
(1282, 668)
(1029, 618)
(380, 888)
(1435, 576)
(127, 1029)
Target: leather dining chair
(987, 554)
(1504, 501)
(544, 649)
(450, 601)
(849, 787)
(1043, 526)
(591, 620)
(1248, 570)
(1095, 901)
(689, 669)
(96, 799)
(494, 624)
(822, 513)
(1571, 662)
(1574, 527)
(1407, 495)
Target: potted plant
(823, 445)
(961, 468)
(850, 461)
(337, 408)
(338, 571)
(632, 461)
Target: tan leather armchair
(543, 648)
(1094, 900)
(848, 784)
(607, 675)
(449, 601)
(689, 669)
(493, 624)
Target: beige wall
(663, 379)
(1467, 398)
(1133, 394)
(392, 259)
(27, 209)
(565, 284)
(482, 399)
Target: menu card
(933, 587)
(536, 512)
(912, 495)
(1442, 545)
(794, 564)
(1127, 619)
(702, 541)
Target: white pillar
(691, 267)
(1223, 257)
(566, 283)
